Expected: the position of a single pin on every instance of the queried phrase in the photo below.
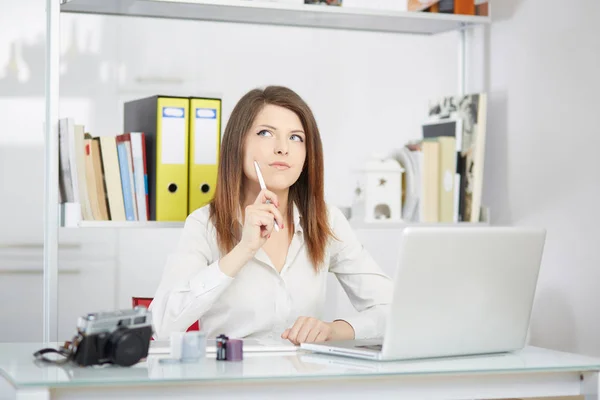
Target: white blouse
(259, 301)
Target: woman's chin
(278, 185)
(278, 188)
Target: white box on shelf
(69, 214)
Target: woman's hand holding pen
(259, 219)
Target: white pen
(261, 181)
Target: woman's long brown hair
(308, 191)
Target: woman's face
(278, 142)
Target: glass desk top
(19, 367)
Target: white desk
(533, 372)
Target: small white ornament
(383, 190)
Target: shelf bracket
(50, 279)
(462, 65)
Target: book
(420, 5)
(65, 173)
(472, 110)
(324, 2)
(127, 181)
(430, 181)
(448, 132)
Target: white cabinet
(85, 284)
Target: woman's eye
(264, 132)
(297, 138)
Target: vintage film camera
(118, 337)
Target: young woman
(239, 275)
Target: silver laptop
(457, 291)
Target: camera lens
(126, 347)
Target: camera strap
(40, 355)
(67, 350)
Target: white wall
(542, 157)
(368, 91)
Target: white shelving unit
(237, 11)
(272, 13)
(362, 224)
(404, 224)
(130, 224)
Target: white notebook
(251, 345)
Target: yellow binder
(164, 121)
(205, 143)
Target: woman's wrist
(232, 263)
(341, 330)
(244, 252)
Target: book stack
(443, 179)
(101, 178)
(464, 7)
(161, 168)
